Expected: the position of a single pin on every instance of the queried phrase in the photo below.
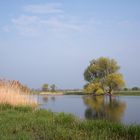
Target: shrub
(99, 91)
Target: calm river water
(125, 109)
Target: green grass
(128, 93)
(74, 93)
(24, 123)
(124, 93)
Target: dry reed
(14, 93)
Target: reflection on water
(45, 98)
(117, 108)
(99, 107)
(53, 98)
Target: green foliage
(128, 93)
(125, 89)
(114, 81)
(103, 72)
(135, 88)
(45, 87)
(99, 91)
(100, 68)
(28, 124)
(94, 87)
(53, 87)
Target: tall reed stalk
(14, 93)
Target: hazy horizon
(51, 41)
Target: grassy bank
(128, 93)
(52, 93)
(74, 93)
(124, 93)
(80, 92)
(26, 123)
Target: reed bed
(15, 94)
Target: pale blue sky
(52, 41)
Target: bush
(99, 91)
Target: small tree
(45, 87)
(53, 87)
(103, 71)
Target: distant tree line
(46, 87)
(131, 89)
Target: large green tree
(102, 75)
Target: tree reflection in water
(104, 107)
(46, 98)
(53, 98)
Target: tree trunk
(110, 91)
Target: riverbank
(124, 93)
(128, 93)
(80, 92)
(51, 93)
(26, 123)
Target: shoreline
(51, 93)
(119, 93)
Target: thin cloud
(58, 24)
(34, 25)
(27, 25)
(44, 8)
(37, 25)
(25, 20)
(6, 28)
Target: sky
(53, 41)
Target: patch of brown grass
(11, 93)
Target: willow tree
(104, 72)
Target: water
(123, 109)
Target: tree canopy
(45, 87)
(102, 76)
(53, 87)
